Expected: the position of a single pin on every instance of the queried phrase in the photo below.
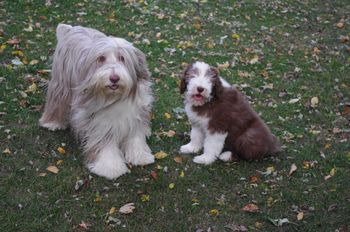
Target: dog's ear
(141, 66)
(186, 74)
(217, 85)
(62, 29)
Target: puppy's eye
(101, 59)
(121, 59)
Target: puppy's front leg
(196, 142)
(213, 145)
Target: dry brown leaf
(53, 169)
(178, 159)
(251, 208)
(300, 216)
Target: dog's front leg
(213, 145)
(109, 162)
(196, 143)
(137, 152)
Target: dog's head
(112, 68)
(200, 83)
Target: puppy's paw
(189, 148)
(204, 159)
(226, 156)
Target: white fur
(213, 143)
(111, 119)
(225, 156)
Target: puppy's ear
(217, 85)
(186, 74)
(141, 65)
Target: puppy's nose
(114, 78)
(200, 89)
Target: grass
(300, 55)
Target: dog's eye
(102, 59)
(121, 59)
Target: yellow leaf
(167, 115)
(59, 162)
(224, 65)
(61, 150)
(258, 225)
(171, 186)
(98, 199)
(2, 48)
(18, 53)
(53, 169)
(300, 216)
(235, 36)
(145, 197)
(332, 172)
(182, 174)
(160, 155)
(112, 210)
(32, 88)
(214, 212)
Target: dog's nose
(114, 78)
(200, 89)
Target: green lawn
(292, 60)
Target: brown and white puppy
(222, 120)
(101, 89)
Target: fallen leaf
(59, 162)
(294, 100)
(145, 197)
(98, 199)
(53, 169)
(178, 159)
(84, 225)
(171, 186)
(33, 62)
(235, 36)
(300, 216)
(224, 65)
(167, 115)
(258, 225)
(31, 89)
(7, 151)
(251, 208)
(293, 168)
(160, 155)
(42, 174)
(214, 212)
(279, 222)
(254, 60)
(182, 174)
(154, 175)
(127, 209)
(170, 133)
(61, 150)
(112, 210)
(314, 102)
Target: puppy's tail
(62, 29)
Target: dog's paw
(204, 159)
(53, 126)
(226, 156)
(189, 148)
(144, 159)
(108, 167)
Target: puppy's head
(113, 68)
(200, 83)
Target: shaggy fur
(222, 120)
(100, 88)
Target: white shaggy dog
(100, 87)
